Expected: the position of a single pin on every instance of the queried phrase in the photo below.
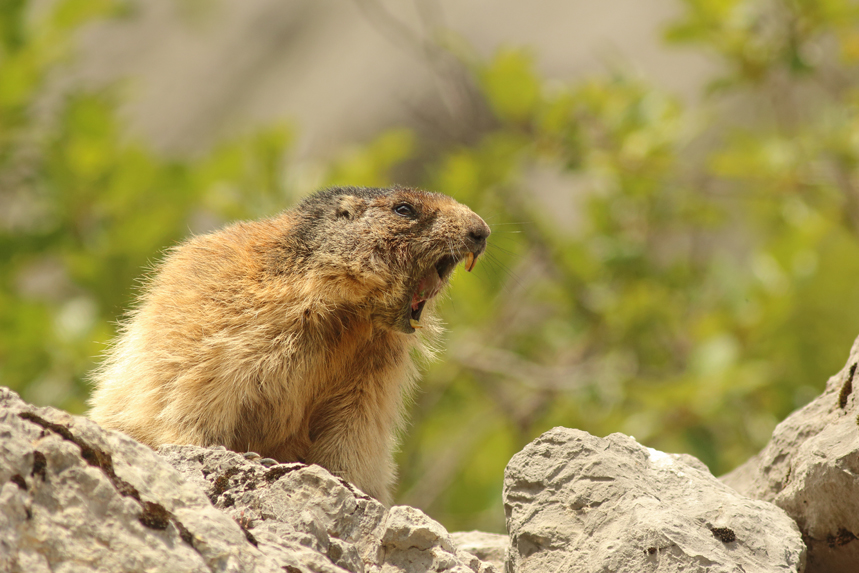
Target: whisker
(496, 247)
(493, 264)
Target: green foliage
(684, 277)
(511, 89)
(87, 210)
(371, 165)
(704, 290)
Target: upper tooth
(470, 259)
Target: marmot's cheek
(403, 323)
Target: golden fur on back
(290, 336)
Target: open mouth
(432, 282)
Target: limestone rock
(308, 506)
(77, 498)
(578, 503)
(488, 547)
(810, 468)
(74, 497)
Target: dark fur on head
(388, 239)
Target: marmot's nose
(478, 231)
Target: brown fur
(288, 336)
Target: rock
(75, 497)
(488, 547)
(308, 506)
(810, 468)
(578, 503)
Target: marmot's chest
(363, 359)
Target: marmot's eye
(405, 210)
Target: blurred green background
(694, 281)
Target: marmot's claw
(470, 260)
(414, 324)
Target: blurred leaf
(510, 86)
(370, 165)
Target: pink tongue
(427, 288)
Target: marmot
(291, 336)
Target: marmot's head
(395, 247)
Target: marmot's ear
(349, 207)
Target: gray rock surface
(810, 468)
(74, 497)
(77, 498)
(578, 503)
(488, 547)
(307, 506)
